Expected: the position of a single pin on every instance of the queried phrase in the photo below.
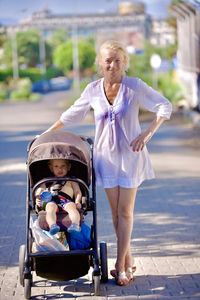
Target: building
(162, 34)
(130, 24)
(188, 36)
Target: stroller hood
(59, 145)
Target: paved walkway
(166, 237)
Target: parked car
(55, 84)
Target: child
(60, 168)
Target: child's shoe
(74, 227)
(54, 229)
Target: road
(166, 235)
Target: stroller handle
(87, 139)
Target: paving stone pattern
(166, 235)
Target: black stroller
(69, 264)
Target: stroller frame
(29, 261)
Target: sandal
(120, 277)
(130, 271)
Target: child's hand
(38, 202)
(78, 205)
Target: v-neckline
(104, 94)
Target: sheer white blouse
(116, 126)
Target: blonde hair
(64, 160)
(112, 45)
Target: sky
(16, 10)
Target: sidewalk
(166, 235)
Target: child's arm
(37, 195)
(77, 194)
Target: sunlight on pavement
(13, 167)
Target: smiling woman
(121, 159)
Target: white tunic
(116, 126)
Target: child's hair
(66, 161)
(113, 45)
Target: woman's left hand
(139, 143)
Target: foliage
(167, 84)
(20, 89)
(33, 73)
(3, 92)
(2, 39)
(27, 49)
(140, 64)
(87, 55)
(63, 55)
(58, 37)
(171, 88)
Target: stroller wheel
(104, 264)
(96, 280)
(27, 288)
(22, 253)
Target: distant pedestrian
(121, 159)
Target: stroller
(61, 265)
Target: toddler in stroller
(77, 180)
(60, 197)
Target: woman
(121, 158)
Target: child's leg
(51, 209)
(73, 213)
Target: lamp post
(14, 54)
(42, 53)
(76, 85)
(155, 62)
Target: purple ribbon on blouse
(114, 114)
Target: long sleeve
(154, 101)
(78, 111)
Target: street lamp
(155, 62)
(75, 59)
(14, 54)
(42, 52)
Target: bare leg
(125, 225)
(73, 213)
(122, 205)
(51, 209)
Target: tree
(58, 37)
(27, 49)
(63, 55)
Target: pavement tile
(166, 234)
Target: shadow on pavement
(149, 286)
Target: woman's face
(112, 63)
(59, 167)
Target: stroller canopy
(59, 145)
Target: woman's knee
(125, 214)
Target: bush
(21, 89)
(20, 94)
(34, 74)
(3, 92)
(171, 88)
(3, 95)
(34, 97)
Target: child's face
(59, 167)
